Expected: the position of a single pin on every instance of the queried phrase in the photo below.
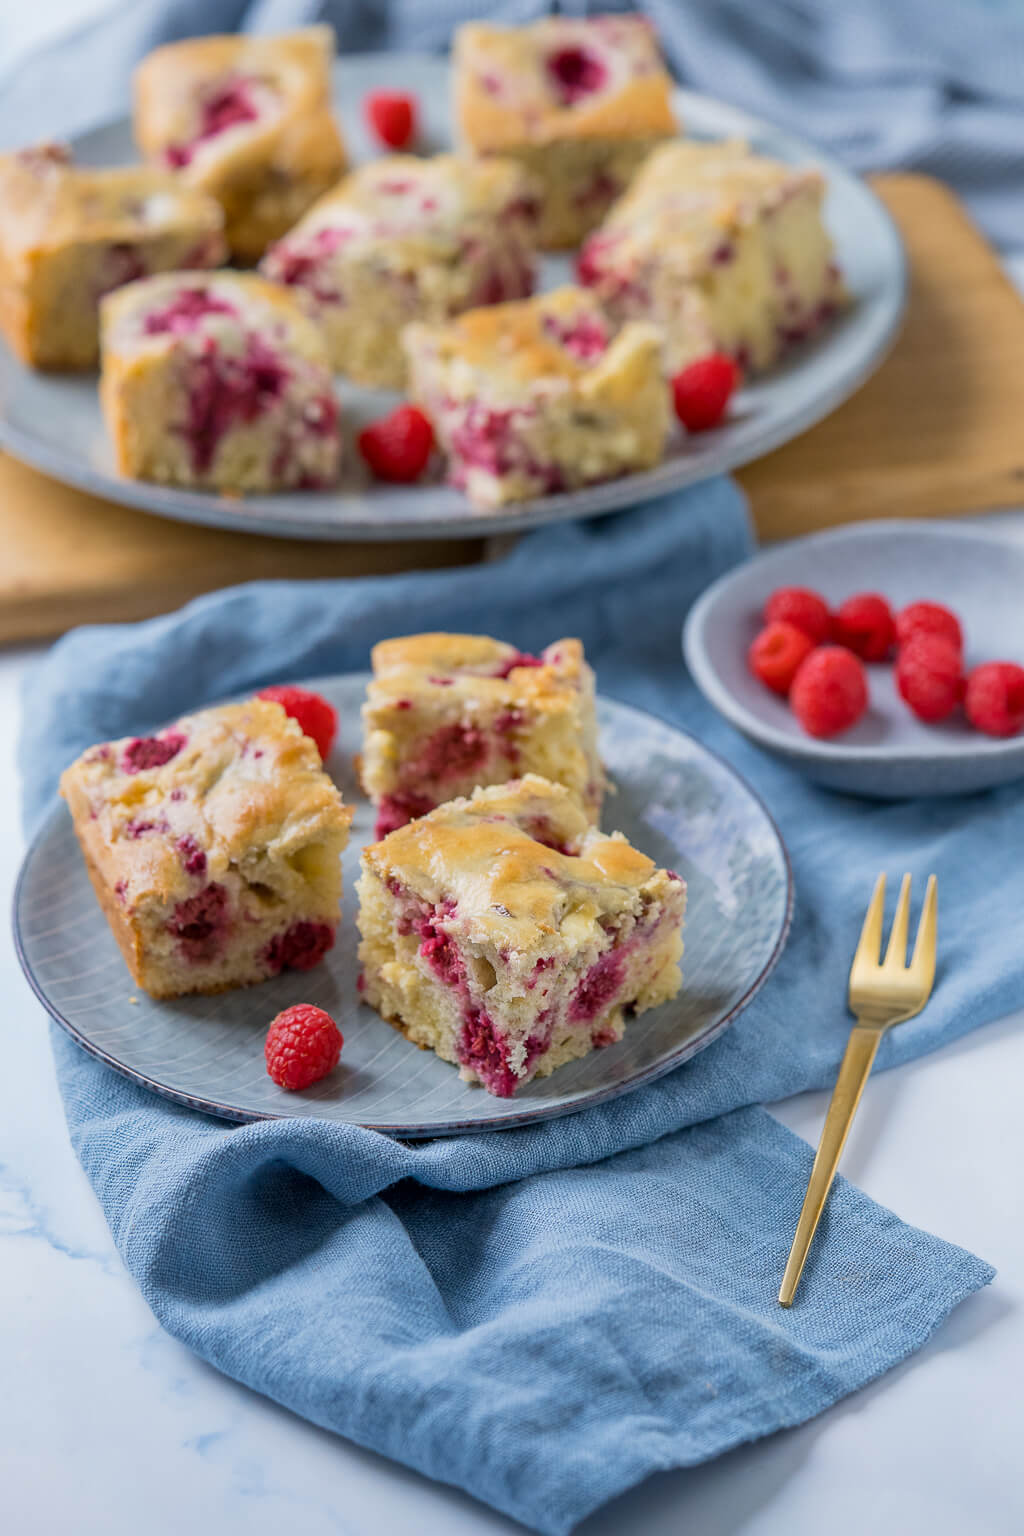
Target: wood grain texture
(937, 431)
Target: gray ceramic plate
(888, 753)
(54, 423)
(676, 801)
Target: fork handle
(853, 1074)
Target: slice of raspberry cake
(445, 713)
(214, 847)
(537, 397)
(71, 235)
(247, 119)
(218, 382)
(723, 249)
(508, 935)
(579, 101)
(408, 239)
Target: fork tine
(896, 952)
(870, 942)
(922, 966)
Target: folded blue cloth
(882, 83)
(542, 1316)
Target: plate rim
(811, 749)
(212, 509)
(232, 1113)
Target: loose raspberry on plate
(802, 607)
(994, 698)
(393, 117)
(929, 675)
(830, 691)
(865, 625)
(318, 718)
(777, 653)
(398, 447)
(702, 391)
(929, 619)
(303, 1045)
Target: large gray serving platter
(685, 807)
(54, 423)
(888, 753)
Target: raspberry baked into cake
(723, 249)
(408, 239)
(214, 847)
(508, 935)
(70, 235)
(221, 382)
(445, 713)
(532, 398)
(247, 119)
(580, 101)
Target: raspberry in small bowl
(914, 681)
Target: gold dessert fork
(880, 995)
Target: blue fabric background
(542, 1316)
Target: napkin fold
(541, 1316)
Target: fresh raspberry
(392, 116)
(398, 446)
(802, 607)
(994, 699)
(929, 619)
(303, 1045)
(702, 390)
(929, 676)
(776, 654)
(318, 719)
(865, 625)
(830, 691)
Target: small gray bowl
(888, 754)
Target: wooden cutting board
(938, 430)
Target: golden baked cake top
(48, 202)
(476, 667)
(561, 78)
(153, 314)
(518, 865)
(202, 796)
(689, 197)
(561, 335)
(193, 99)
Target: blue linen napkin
(883, 83)
(541, 1316)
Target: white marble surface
(109, 1427)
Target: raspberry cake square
(579, 101)
(247, 119)
(218, 382)
(508, 935)
(408, 239)
(538, 397)
(723, 249)
(71, 235)
(214, 847)
(445, 713)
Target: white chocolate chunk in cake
(508, 935)
(538, 397)
(402, 239)
(580, 101)
(445, 713)
(219, 381)
(69, 235)
(214, 847)
(248, 119)
(723, 249)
